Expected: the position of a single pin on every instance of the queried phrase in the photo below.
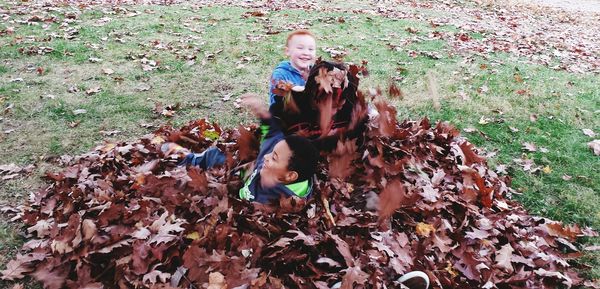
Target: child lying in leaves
(285, 165)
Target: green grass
(564, 102)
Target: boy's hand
(256, 105)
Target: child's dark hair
(304, 156)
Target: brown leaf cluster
(125, 216)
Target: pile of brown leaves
(413, 197)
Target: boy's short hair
(298, 32)
(304, 156)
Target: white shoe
(410, 280)
(414, 280)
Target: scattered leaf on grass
(79, 111)
(110, 132)
(595, 146)
(143, 87)
(93, 90)
(588, 132)
(530, 147)
(94, 59)
(533, 117)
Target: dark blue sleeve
(209, 158)
(273, 124)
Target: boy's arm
(268, 125)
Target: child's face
(275, 166)
(301, 50)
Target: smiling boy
(301, 50)
(284, 167)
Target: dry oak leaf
(216, 280)
(588, 132)
(595, 146)
(504, 257)
(391, 198)
(424, 229)
(354, 275)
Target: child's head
(301, 48)
(293, 159)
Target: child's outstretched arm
(253, 103)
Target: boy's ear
(286, 50)
(291, 176)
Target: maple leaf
(394, 91)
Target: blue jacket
(253, 190)
(284, 72)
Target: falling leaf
(394, 91)
(107, 71)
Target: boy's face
(275, 166)
(301, 50)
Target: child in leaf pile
(285, 165)
(313, 98)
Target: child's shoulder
(283, 66)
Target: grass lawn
(201, 59)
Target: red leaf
(248, 145)
(470, 156)
(391, 198)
